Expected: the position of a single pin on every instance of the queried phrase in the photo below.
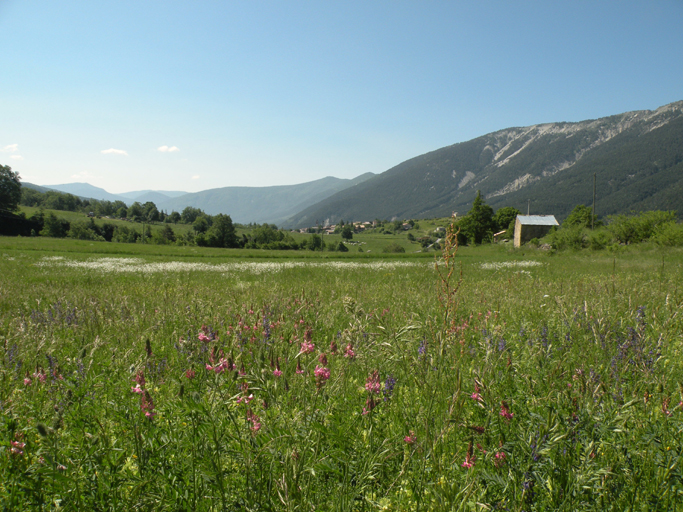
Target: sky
(188, 96)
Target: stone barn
(532, 226)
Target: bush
(669, 234)
(83, 230)
(568, 238)
(393, 248)
(630, 229)
(600, 239)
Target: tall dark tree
(581, 215)
(10, 189)
(347, 232)
(504, 216)
(478, 224)
(222, 232)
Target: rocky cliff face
(635, 155)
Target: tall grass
(549, 387)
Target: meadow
(137, 377)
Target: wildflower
(323, 359)
(255, 421)
(277, 372)
(665, 406)
(27, 381)
(307, 347)
(423, 347)
(349, 351)
(147, 405)
(372, 385)
(190, 373)
(389, 387)
(477, 429)
(333, 347)
(17, 448)
(203, 337)
(410, 438)
(137, 389)
(299, 370)
(499, 459)
(61, 467)
(140, 378)
(470, 459)
(369, 405)
(322, 374)
(505, 411)
(477, 392)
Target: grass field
(373, 241)
(139, 377)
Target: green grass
(584, 348)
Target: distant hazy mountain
(87, 190)
(262, 204)
(137, 194)
(34, 186)
(637, 158)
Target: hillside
(262, 204)
(637, 157)
(87, 190)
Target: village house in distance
(532, 226)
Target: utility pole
(528, 206)
(593, 215)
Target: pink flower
(147, 405)
(505, 411)
(27, 381)
(299, 370)
(321, 376)
(17, 448)
(140, 378)
(349, 351)
(277, 372)
(190, 373)
(372, 385)
(137, 389)
(307, 347)
(470, 459)
(255, 421)
(369, 405)
(477, 397)
(411, 438)
(203, 337)
(500, 459)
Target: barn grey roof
(538, 220)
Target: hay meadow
(140, 377)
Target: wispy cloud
(167, 149)
(16, 157)
(11, 148)
(112, 151)
(195, 177)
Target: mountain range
(636, 159)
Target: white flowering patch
(510, 264)
(139, 265)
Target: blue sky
(143, 94)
